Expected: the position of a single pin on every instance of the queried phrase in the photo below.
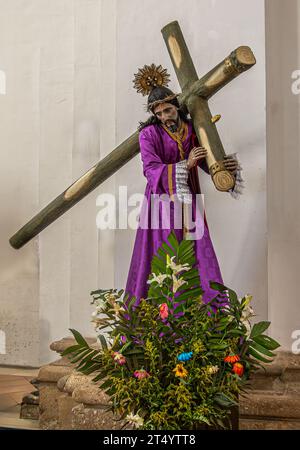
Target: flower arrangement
(171, 361)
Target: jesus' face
(168, 115)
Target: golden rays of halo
(149, 77)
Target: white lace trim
(237, 191)
(182, 189)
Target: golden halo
(149, 77)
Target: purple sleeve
(163, 178)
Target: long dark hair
(153, 120)
(156, 96)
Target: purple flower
(123, 339)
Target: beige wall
(69, 99)
(53, 128)
(283, 143)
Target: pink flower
(119, 358)
(140, 374)
(163, 311)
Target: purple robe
(166, 173)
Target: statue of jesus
(170, 154)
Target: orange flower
(238, 368)
(163, 311)
(232, 359)
(180, 371)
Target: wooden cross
(195, 95)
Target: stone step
(268, 424)
(282, 375)
(270, 405)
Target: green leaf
(217, 286)
(103, 342)
(100, 376)
(80, 356)
(106, 384)
(190, 293)
(257, 355)
(71, 349)
(261, 349)
(235, 333)
(168, 249)
(201, 419)
(173, 240)
(125, 347)
(79, 338)
(90, 357)
(90, 367)
(224, 400)
(158, 266)
(266, 341)
(259, 328)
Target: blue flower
(185, 356)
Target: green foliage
(170, 361)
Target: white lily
(247, 313)
(118, 308)
(135, 419)
(158, 278)
(176, 268)
(177, 282)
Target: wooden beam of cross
(195, 95)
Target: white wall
(56, 122)
(69, 100)
(283, 112)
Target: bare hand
(230, 164)
(196, 154)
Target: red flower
(232, 359)
(140, 374)
(163, 311)
(238, 368)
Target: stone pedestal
(273, 403)
(92, 410)
(65, 401)
(69, 399)
(50, 406)
(49, 393)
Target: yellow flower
(168, 259)
(180, 371)
(247, 299)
